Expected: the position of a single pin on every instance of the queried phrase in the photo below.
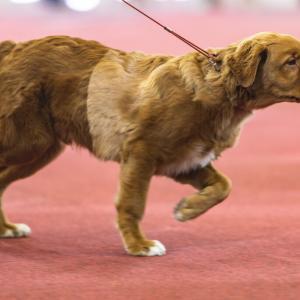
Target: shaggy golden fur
(155, 115)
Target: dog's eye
(292, 62)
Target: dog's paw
(19, 230)
(148, 248)
(185, 211)
(158, 249)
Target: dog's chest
(193, 159)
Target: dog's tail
(5, 48)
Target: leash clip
(214, 63)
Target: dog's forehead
(284, 45)
(288, 42)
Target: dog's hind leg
(12, 173)
(213, 187)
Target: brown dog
(156, 115)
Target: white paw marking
(157, 250)
(22, 230)
(178, 216)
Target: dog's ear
(245, 60)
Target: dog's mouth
(292, 99)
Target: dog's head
(267, 67)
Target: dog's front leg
(136, 172)
(213, 188)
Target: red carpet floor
(247, 248)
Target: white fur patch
(191, 161)
(22, 231)
(157, 250)
(205, 160)
(178, 216)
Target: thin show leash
(209, 56)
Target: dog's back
(49, 76)
(5, 48)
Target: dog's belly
(193, 160)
